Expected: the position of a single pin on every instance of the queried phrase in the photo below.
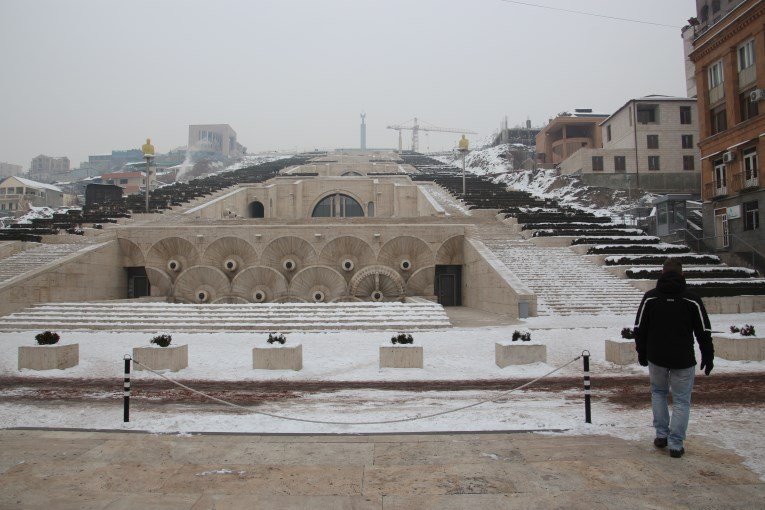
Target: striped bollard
(586, 361)
(126, 398)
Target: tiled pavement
(103, 470)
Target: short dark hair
(672, 265)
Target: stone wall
(92, 274)
(487, 284)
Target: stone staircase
(149, 316)
(34, 258)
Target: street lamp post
(463, 148)
(148, 154)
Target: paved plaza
(117, 470)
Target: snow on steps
(565, 283)
(36, 257)
(144, 316)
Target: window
(19, 191)
(720, 177)
(687, 141)
(597, 163)
(648, 114)
(746, 55)
(704, 13)
(620, 163)
(715, 6)
(689, 163)
(653, 163)
(749, 109)
(715, 74)
(652, 141)
(719, 119)
(608, 133)
(123, 181)
(337, 205)
(371, 209)
(685, 115)
(751, 215)
(2, 191)
(750, 166)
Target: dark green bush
(628, 333)
(276, 337)
(402, 338)
(47, 338)
(524, 337)
(162, 340)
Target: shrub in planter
(524, 337)
(47, 338)
(276, 338)
(162, 340)
(402, 338)
(628, 333)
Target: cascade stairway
(151, 316)
(34, 258)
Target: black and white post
(126, 394)
(586, 362)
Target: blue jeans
(680, 382)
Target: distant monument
(147, 149)
(363, 131)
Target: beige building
(16, 193)
(566, 134)
(131, 182)
(657, 152)
(219, 139)
(9, 169)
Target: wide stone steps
(127, 316)
(34, 258)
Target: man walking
(667, 320)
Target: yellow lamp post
(148, 154)
(463, 148)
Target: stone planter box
(519, 353)
(172, 358)
(49, 357)
(621, 352)
(401, 356)
(745, 348)
(278, 357)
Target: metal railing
(715, 189)
(739, 181)
(754, 256)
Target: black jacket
(667, 320)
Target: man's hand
(642, 359)
(707, 363)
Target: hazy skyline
(86, 77)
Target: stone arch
(374, 279)
(318, 280)
(172, 255)
(351, 173)
(230, 254)
(421, 283)
(263, 279)
(340, 250)
(161, 283)
(338, 204)
(256, 209)
(132, 256)
(405, 254)
(450, 252)
(198, 280)
(288, 255)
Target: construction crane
(416, 128)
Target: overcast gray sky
(85, 77)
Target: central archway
(337, 205)
(256, 210)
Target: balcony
(746, 77)
(714, 190)
(739, 182)
(716, 94)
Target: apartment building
(215, 139)
(9, 169)
(650, 143)
(17, 192)
(566, 134)
(130, 181)
(47, 169)
(729, 58)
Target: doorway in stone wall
(138, 282)
(448, 285)
(256, 210)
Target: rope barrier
(381, 422)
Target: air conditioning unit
(756, 95)
(729, 157)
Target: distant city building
(100, 163)
(525, 135)
(657, 153)
(9, 169)
(48, 169)
(16, 193)
(729, 61)
(102, 194)
(217, 140)
(566, 134)
(121, 158)
(130, 181)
